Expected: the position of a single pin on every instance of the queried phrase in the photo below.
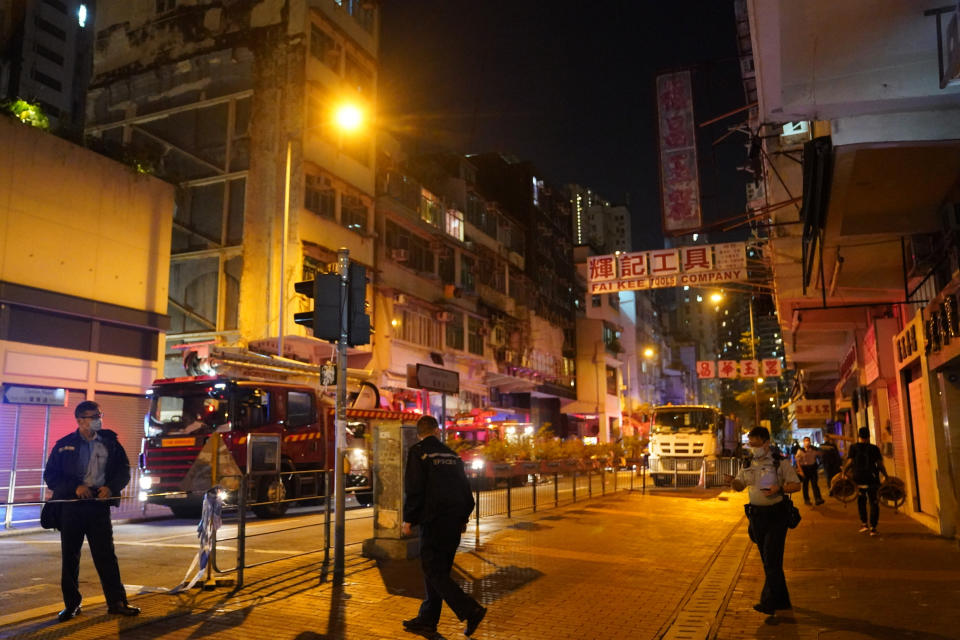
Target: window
(49, 54)
(358, 75)
(253, 408)
(454, 224)
(431, 209)
(56, 4)
(447, 266)
(320, 197)
(419, 327)
(455, 332)
(614, 299)
(475, 211)
(325, 48)
(474, 336)
(162, 6)
(46, 80)
(596, 301)
(419, 254)
(611, 380)
(353, 213)
(299, 409)
(467, 278)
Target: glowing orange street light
(348, 117)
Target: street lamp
(648, 353)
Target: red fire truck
(239, 401)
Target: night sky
(569, 86)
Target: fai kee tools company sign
(696, 266)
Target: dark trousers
(438, 546)
(869, 492)
(90, 520)
(810, 478)
(768, 528)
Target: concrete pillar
(391, 443)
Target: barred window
(474, 336)
(325, 48)
(419, 327)
(353, 213)
(320, 197)
(455, 331)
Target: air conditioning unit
(399, 255)
(795, 133)
(399, 298)
(444, 316)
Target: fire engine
(241, 394)
(472, 432)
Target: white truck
(687, 443)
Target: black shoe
(820, 502)
(807, 502)
(418, 625)
(762, 608)
(69, 613)
(123, 609)
(473, 621)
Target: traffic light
(325, 317)
(358, 322)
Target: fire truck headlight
(223, 496)
(146, 482)
(477, 464)
(142, 496)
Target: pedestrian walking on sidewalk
(769, 476)
(864, 465)
(807, 458)
(439, 501)
(90, 467)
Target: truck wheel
(187, 513)
(271, 490)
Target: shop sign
(848, 363)
(907, 343)
(871, 368)
(679, 177)
(696, 266)
(15, 394)
(768, 368)
(812, 409)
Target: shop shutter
(124, 414)
(899, 438)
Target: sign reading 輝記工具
(695, 266)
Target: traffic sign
(15, 394)
(423, 376)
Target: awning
(582, 406)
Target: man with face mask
(90, 468)
(768, 476)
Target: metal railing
(687, 473)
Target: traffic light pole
(343, 270)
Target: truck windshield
(473, 437)
(683, 421)
(187, 411)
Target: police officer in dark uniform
(90, 467)
(438, 499)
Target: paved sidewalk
(620, 567)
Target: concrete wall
(77, 223)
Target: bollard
(242, 529)
(534, 493)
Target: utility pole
(343, 270)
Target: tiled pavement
(619, 567)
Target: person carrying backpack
(864, 465)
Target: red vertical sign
(679, 177)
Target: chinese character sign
(696, 266)
(812, 409)
(679, 179)
(771, 367)
(727, 368)
(602, 268)
(749, 368)
(706, 369)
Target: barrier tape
(210, 521)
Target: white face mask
(758, 452)
(96, 424)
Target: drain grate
(697, 615)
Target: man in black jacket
(90, 467)
(438, 499)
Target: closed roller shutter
(124, 414)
